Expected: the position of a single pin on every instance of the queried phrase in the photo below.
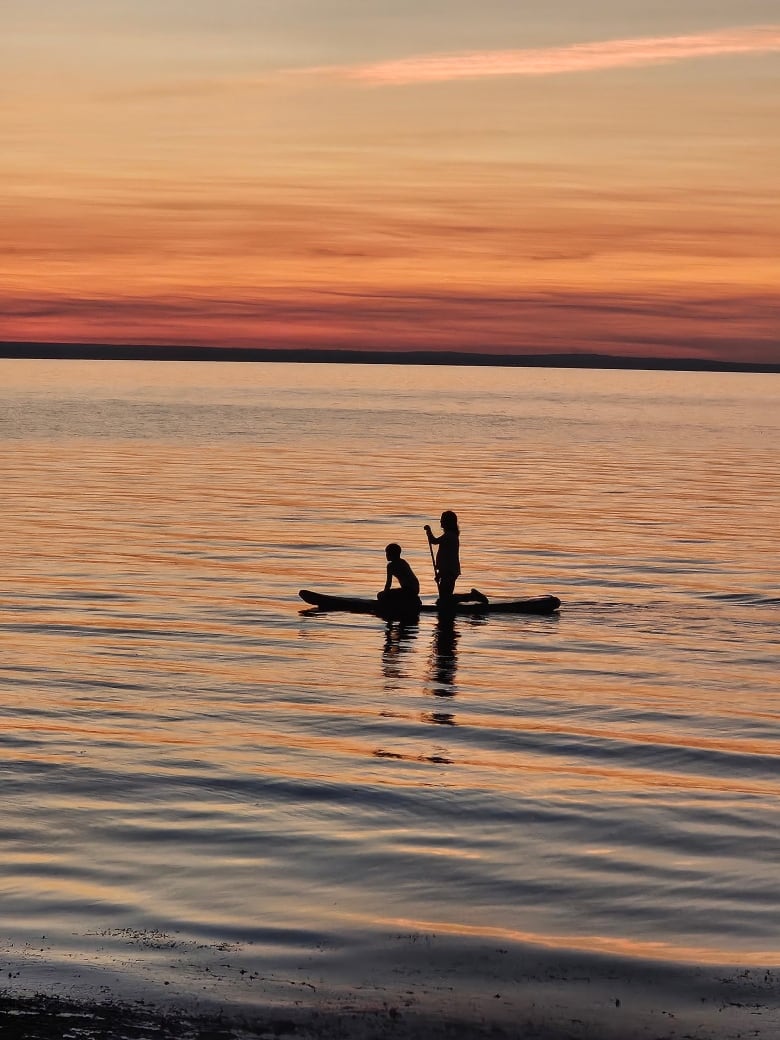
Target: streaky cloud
(554, 61)
(729, 327)
(596, 56)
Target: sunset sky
(430, 174)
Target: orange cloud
(553, 61)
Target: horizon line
(55, 351)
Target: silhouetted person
(407, 596)
(447, 562)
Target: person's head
(393, 551)
(449, 520)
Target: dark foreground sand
(554, 1016)
(416, 989)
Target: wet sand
(419, 988)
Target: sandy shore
(415, 988)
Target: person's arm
(432, 539)
(389, 581)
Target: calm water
(206, 787)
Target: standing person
(408, 595)
(447, 562)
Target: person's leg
(399, 600)
(447, 590)
(475, 596)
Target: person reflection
(399, 639)
(444, 657)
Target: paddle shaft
(433, 561)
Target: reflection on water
(443, 663)
(399, 641)
(184, 751)
(438, 718)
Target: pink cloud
(552, 61)
(737, 327)
(530, 61)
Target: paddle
(433, 558)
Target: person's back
(404, 575)
(399, 569)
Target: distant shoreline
(125, 352)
